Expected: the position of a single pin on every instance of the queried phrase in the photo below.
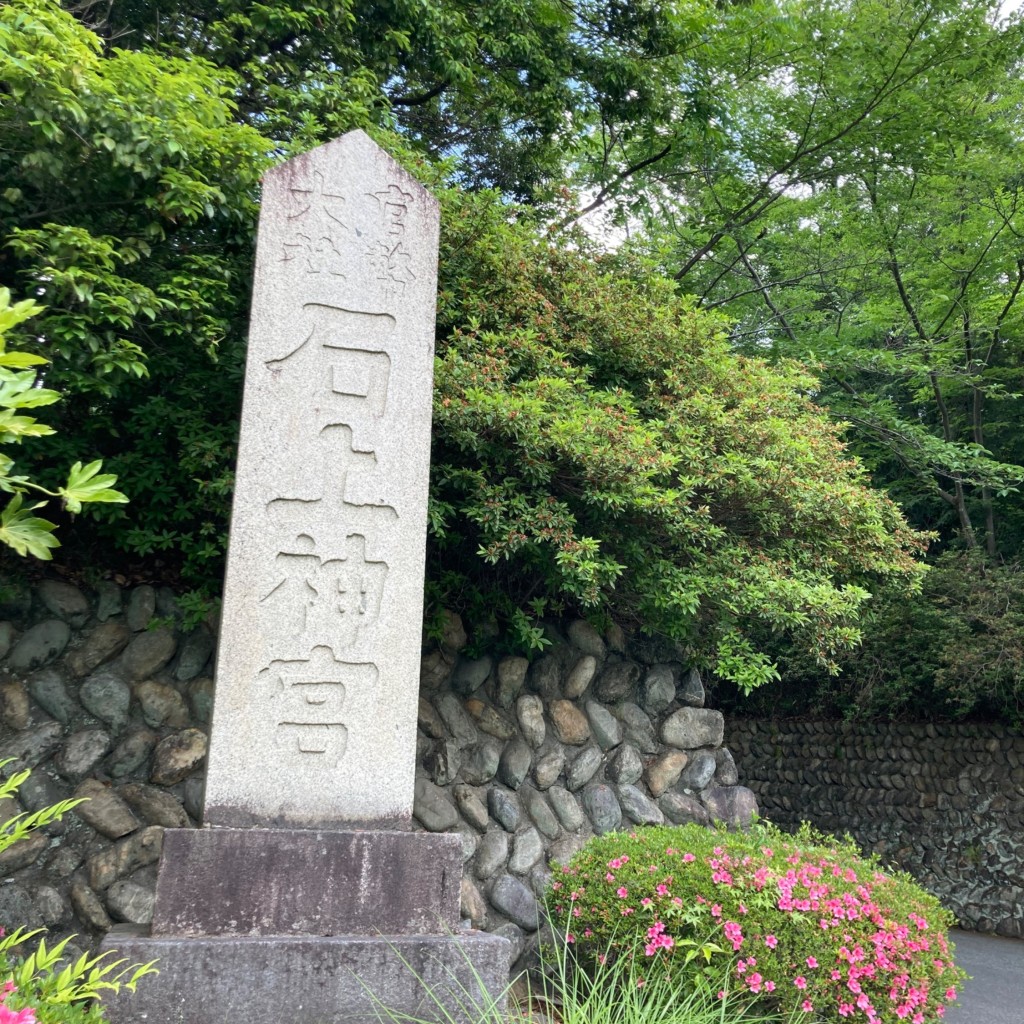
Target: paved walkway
(995, 993)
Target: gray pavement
(995, 993)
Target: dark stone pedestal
(237, 881)
(309, 927)
(292, 980)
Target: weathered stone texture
(518, 778)
(330, 498)
(943, 802)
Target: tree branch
(606, 191)
(417, 99)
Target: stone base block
(296, 980)
(296, 882)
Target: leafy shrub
(41, 987)
(816, 928)
(20, 528)
(955, 649)
(128, 210)
(45, 988)
(599, 448)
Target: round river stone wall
(104, 695)
(943, 802)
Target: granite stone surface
(304, 882)
(296, 980)
(314, 717)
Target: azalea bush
(814, 927)
(600, 449)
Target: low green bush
(816, 929)
(46, 986)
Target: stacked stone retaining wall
(104, 695)
(943, 802)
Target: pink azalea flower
(800, 981)
(770, 941)
(622, 892)
(811, 962)
(769, 986)
(26, 1016)
(807, 1006)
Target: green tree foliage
(597, 446)
(859, 208)
(127, 210)
(898, 268)
(955, 649)
(20, 528)
(512, 87)
(856, 204)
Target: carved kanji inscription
(316, 255)
(393, 266)
(316, 200)
(343, 355)
(394, 205)
(319, 654)
(328, 601)
(310, 695)
(315, 243)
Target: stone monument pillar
(305, 889)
